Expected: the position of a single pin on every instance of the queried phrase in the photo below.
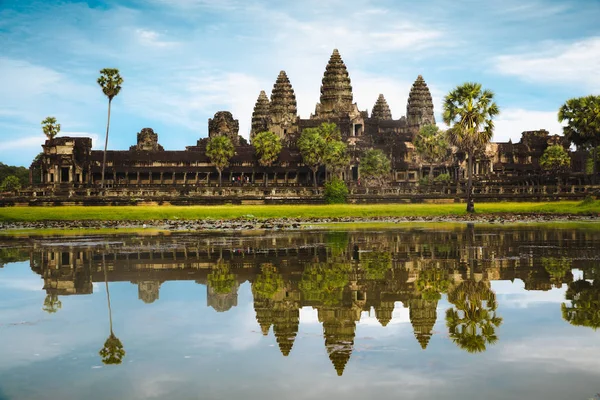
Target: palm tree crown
(110, 80)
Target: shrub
(588, 200)
(10, 184)
(424, 180)
(336, 191)
(442, 178)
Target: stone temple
(70, 163)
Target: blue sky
(183, 60)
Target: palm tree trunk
(219, 170)
(314, 170)
(267, 179)
(470, 204)
(107, 295)
(594, 169)
(430, 173)
(105, 145)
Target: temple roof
(423, 314)
(419, 110)
(283, 98)
(260, 114)
(336, 86)
(381, 109)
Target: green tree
(336, 157)
(325, 282)
(557, 268)
(322, 146)
(50, 127)
(336, 191)
(582, 116)
(20, 172)
(584, 309)
(432, 146)
(110, 81)
(375, 166)
(555, 158)
(220, 279)
(267, 283)
(472, 322)
(376, 264)
(10, 184)
(469, 112)
(113, 352)
(267, 146)
(220, 150)
(52, 304)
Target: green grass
(141, 213)
(25, 233)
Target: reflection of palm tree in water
(472, 322)
(113, 351)
(584, 296)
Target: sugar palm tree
(432, 145)
(472, 322)
(110, 81)
(50, 127)
(469, 112)
(267, 146)
(113, 351)
(220, 150)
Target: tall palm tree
(113, 351)
(110, 81)
(468, 111)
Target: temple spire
(336, 90)
(381, 110)
(419, 110)
(260, 115)
(283, 98)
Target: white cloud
(513, 121)
(152, 38)
(576, 63)
(36, 141)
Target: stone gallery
(70, 163)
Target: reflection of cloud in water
(554, 353)
(513, 294)
(28, 285)
(246, 334)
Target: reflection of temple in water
(339, 275)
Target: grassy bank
(130, 213)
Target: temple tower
(148, 291)
(283, 110)
(285, 325)
(223, 124)
(419, 110)
(422, 314)
(336, 99)
(147, 140)
(384, 311)
(381, 109)
(260, 115)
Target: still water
(448, 312)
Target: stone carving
(419, 110)
(381, 110)
(224, 124)
(283, 111)
(147, 140)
